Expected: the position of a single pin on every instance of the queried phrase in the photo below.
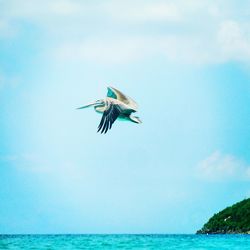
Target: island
(232, 220)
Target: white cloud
(104, 51)
(119, 10)
(65, 7)
(219, 167)
(126, 49)
(39, 10)
(38, 164)
(234, 40)
(26, 161)
(186, 41)
(143, 11)
(199, 32)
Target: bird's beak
(88, 105)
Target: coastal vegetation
(232, 220)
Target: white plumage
(115, 105)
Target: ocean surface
(96, 242)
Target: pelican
(115, 105)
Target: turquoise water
(51, 242)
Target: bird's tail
(135, 119)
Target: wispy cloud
(42, 165)
(105, 51)
(139, 11)
(37, 10)
(214, 39)
(234, 40)
(200, 32)
(220, 167)
(26, 161)
(175, 48)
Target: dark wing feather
(108, 118)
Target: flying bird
(115, 106)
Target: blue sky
(186, 63)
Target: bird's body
(115, 106)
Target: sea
(125, 241)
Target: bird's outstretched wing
(108, 118)
(116, 94)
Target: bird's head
(99, 103)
